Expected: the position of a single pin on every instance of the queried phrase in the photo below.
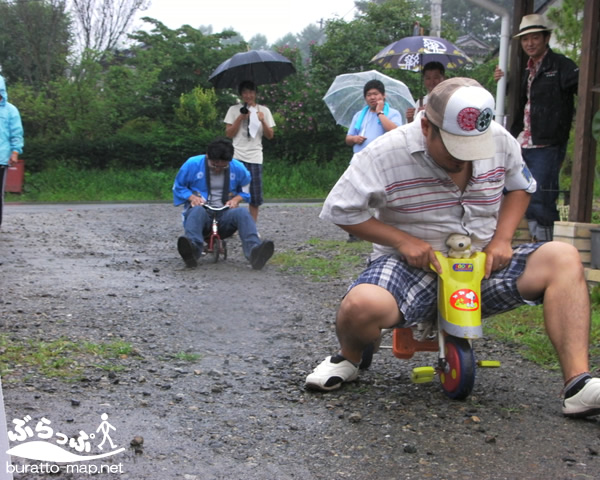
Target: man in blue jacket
(11, 138)
(217, 179)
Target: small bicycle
(459, 322)
(213, 244)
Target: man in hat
(452, 170)
(543, 122)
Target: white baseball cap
(463, 111)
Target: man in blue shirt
(217, 179)
(373, 120)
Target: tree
(311, 35)
(183, 59)
(102, 24)
(288, 40)
(350, 46)
(259, 42)
(197, 110)
(569, 25)
(35, 40)
(461, 18)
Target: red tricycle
(213, 243)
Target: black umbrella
(259, 66)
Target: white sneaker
(331, 373)
(584, 403)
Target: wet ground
(214, 381)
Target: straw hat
(532, 23)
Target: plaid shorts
(415, 290)
(256, 196)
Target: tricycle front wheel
(458, 376)
(216, 249)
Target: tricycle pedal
(488, 363)
(423, 374)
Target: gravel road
(214, 382)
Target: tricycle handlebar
(215, 209)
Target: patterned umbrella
(412, 53)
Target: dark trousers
(544, 164)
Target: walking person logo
(43, 443)
(105, 427)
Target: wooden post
(517, 61)
(588, 103)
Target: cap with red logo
(463, 111)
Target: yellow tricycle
(458, 324)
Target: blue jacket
(11, 129)
(192, 178)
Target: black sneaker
(261, 254)
(185, 247)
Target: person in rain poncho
(11, 138)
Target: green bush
(158, 148)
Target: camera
(244, 110)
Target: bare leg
(556, 272)
(365, 310)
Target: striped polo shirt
(395, 180)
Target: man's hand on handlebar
(234, 202)
(196, 200)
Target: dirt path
(214, 384)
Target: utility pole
(436, 18)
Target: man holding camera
(246, 125)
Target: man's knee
(366, 303)
(563, 252)
(563, 259)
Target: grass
(187, 357)
(62, 184)
(322, 260)
(525, 327)
(60, 358)
(66, 359)
(66, 185)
